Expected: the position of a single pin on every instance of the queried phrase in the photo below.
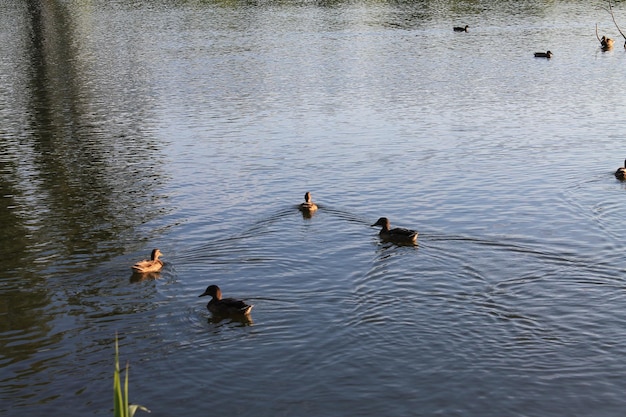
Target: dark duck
(397, 235)
(224, 306)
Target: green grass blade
(118, 401)
(121, 408)
(126, 389)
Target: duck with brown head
(606, 43)
(308, 207)
(224, 306)
(397, 235)
(154, 264)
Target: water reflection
(82, 181)
(145, 276)
(80, 175)
(13, 232)
(241, 321)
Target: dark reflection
(386, 244)
(73, 176)
(24, 317)
(227, 319)
(86, 168)
(13, 233)
(95, 190)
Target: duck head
(383, 221)
(214, 291)
(155, 254)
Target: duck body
(547, 54)
(398, 234)
(620, 174)
(308, 207)
(461, 28)
(154, 264)
(224, 306)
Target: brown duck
(308, 207)
(154, 264)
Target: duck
(547, 54)
(308, 206)
(398, 234)
(461, 28)
(620, 174)
(154, 264)
(606, 43)
(224, 306)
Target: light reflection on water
(196, 128)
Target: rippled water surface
(196, 127)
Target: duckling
(606, 43)
(152, 265)
(543, 54)
(308, 207)
(620, 174)
(461, 29)
(398, 234)
(224, 306)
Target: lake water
(197, 126)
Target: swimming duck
(308, 206)
(398, 234)
(461, 29)
(620, 174)
(224, 306)
(606, 43)
(154, 264)
(543, 54)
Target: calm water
(196, 127)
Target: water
(196, 127)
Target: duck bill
(203, 294)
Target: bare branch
(614, 21)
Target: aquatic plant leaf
(118, 401)
(134, 407)
(121, 408)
